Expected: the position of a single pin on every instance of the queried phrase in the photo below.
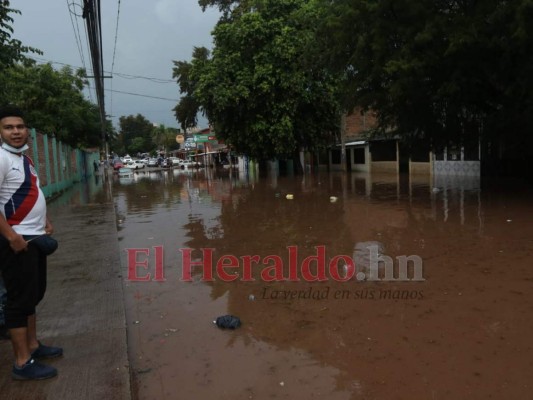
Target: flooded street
(461, 331)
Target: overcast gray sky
(151, 34)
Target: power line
(113, 62)
(87, 42)
(116, 35)
(111, 90)
(77, 37)
(156, 80)
(76, 33)
(122, 75)
(142, 95)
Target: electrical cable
(77, 37)
(142, 95)
(113, 60)
(116, 36)
(120, 74)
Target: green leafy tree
(54, 102)
(116, 145)
(186, 111)
(170, 139)
(255, 89)
(165, 138)
(159, 135)
(135, 133)
(137, 145)
(439, 71)
(11, 50)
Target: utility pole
(343, 141)
(93, 22)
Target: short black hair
(11, 111)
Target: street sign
(190, 143)
(204, 138)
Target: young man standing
(22, 264)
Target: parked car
(152, 162)
(166, 163)
(127, 159)
(186, 164)
(125, 172)
(136, 164)
(125, 176)
(117, 164)
(176, 162)
(191, 164)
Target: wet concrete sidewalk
(83, 311)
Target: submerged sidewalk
(83, 311)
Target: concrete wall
(465, 168)
(458, 165)
(360, 167)
(384, 166)
(420, 168)
(357, 167)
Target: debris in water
(333, 199)
(228, 321)
(144, 371)
(289, 197)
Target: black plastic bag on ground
(228, 322)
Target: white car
(136, 164)
(176, 162)
(125, 173)
(189, 164)
(127, 159)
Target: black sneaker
(46, 351)
(33, 370)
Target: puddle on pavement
(459, 333)
(95, 189)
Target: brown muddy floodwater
(464, 332)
